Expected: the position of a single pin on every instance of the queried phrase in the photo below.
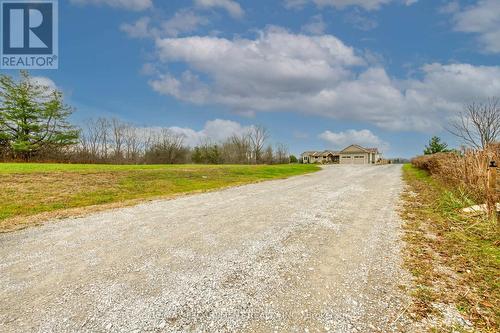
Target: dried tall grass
(467, 170)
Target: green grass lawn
(454, 258)
(29, 189)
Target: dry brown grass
(467, 170)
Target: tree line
(113, 141)
(34, 126)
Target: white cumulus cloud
(232, 7)
(316, 75)
(364, 137)
(360, 21)
(483, 19)
(316, 25)
(365, 4)
(136, 5)
(138, 29)
(183, 21)
(340, 4)
(275, 58)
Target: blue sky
(317, 73)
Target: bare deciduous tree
(479, 124)
(237, 149)
(118, 129)
(133, 144)
(268, 156)
(93, 140)
(168, 147)
(258, 136)
(102, 128)
(281, 152)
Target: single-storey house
(353, 154)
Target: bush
(466, 170)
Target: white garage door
(359, 159)
(346, 159)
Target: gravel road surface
(314, 253)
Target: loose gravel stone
(315, 253)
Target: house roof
(361, 149)
(308, 153)
(328, 152)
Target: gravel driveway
(311, 253)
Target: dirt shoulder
(454, 259)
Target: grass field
(454, 258)
(33, 192)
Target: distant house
(353, 154)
